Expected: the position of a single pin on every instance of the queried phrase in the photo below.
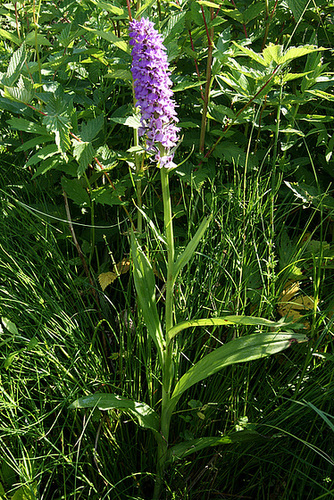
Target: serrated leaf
(36, 141)
(106, 279)
(145, 288)
(297, 7)
(84, 153)
(273, 53)
(9, 36)
(186, 448)
(15, 66)
(27, 126)
(31, 39)
(117, 11)
(76, 190)
(42, 154)
(295, 52)
(132, 121)
(145, 415)
(110, 37)
(240, 350)
(107, 195)
(253, 55)
(90, 129)
(57, 121)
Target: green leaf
(36, 141)
(9, 36)
(75, 189)
(186, 448)
(15, 66)
(146, 417)
(57, 121)
(297, 7)
(23, 92)
(27, 126)
(110, 37)
(9, 325)
(83, 152)
(132, 121)
(31, 39)
(26, 493)
(42, 154)
(190, 249)
(226, 320)
(253, 55)
(145, 287)
(295, 52)
(240, 350)
(90, 129)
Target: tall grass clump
(166, 291)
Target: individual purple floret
(153, 91)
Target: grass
(63, 348)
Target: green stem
(167, 355)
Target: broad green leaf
(23, 92)
(186, 448)
(58, 122)
(27, 126)
(83, 152)
(226, 320)
(132, 121)
(42, 154)
(106, 195)
(297, 7)
(31, 39)
(52, 162)
(253, 11)
(9, 325)
(109, 7)
(15, 66)
(240, 350)
(110, 37)
(295, 52)
(273, 53)
(190, 249)
(145, 287)
(90, 129)
(187, 85)
(253, 55)
(76, 190)
(36, 141)
(9, 36)
(146, 417)
(26, 493)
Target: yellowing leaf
(106, 279)
(292, 305)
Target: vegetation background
(254, 88)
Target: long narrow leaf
(186, 448)
(146, 417)
(226, 320)
(145, 288)
(240, 350)
(189, 251)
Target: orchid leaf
(146, 417)
(240, 350)
(186, 448)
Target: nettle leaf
(84, 153)
(9, 36)
(32, 38)
(15, 66)
(58, 122)
(76, 190)
(145, 415)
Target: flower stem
(167, 358)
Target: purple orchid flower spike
(153, 91)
